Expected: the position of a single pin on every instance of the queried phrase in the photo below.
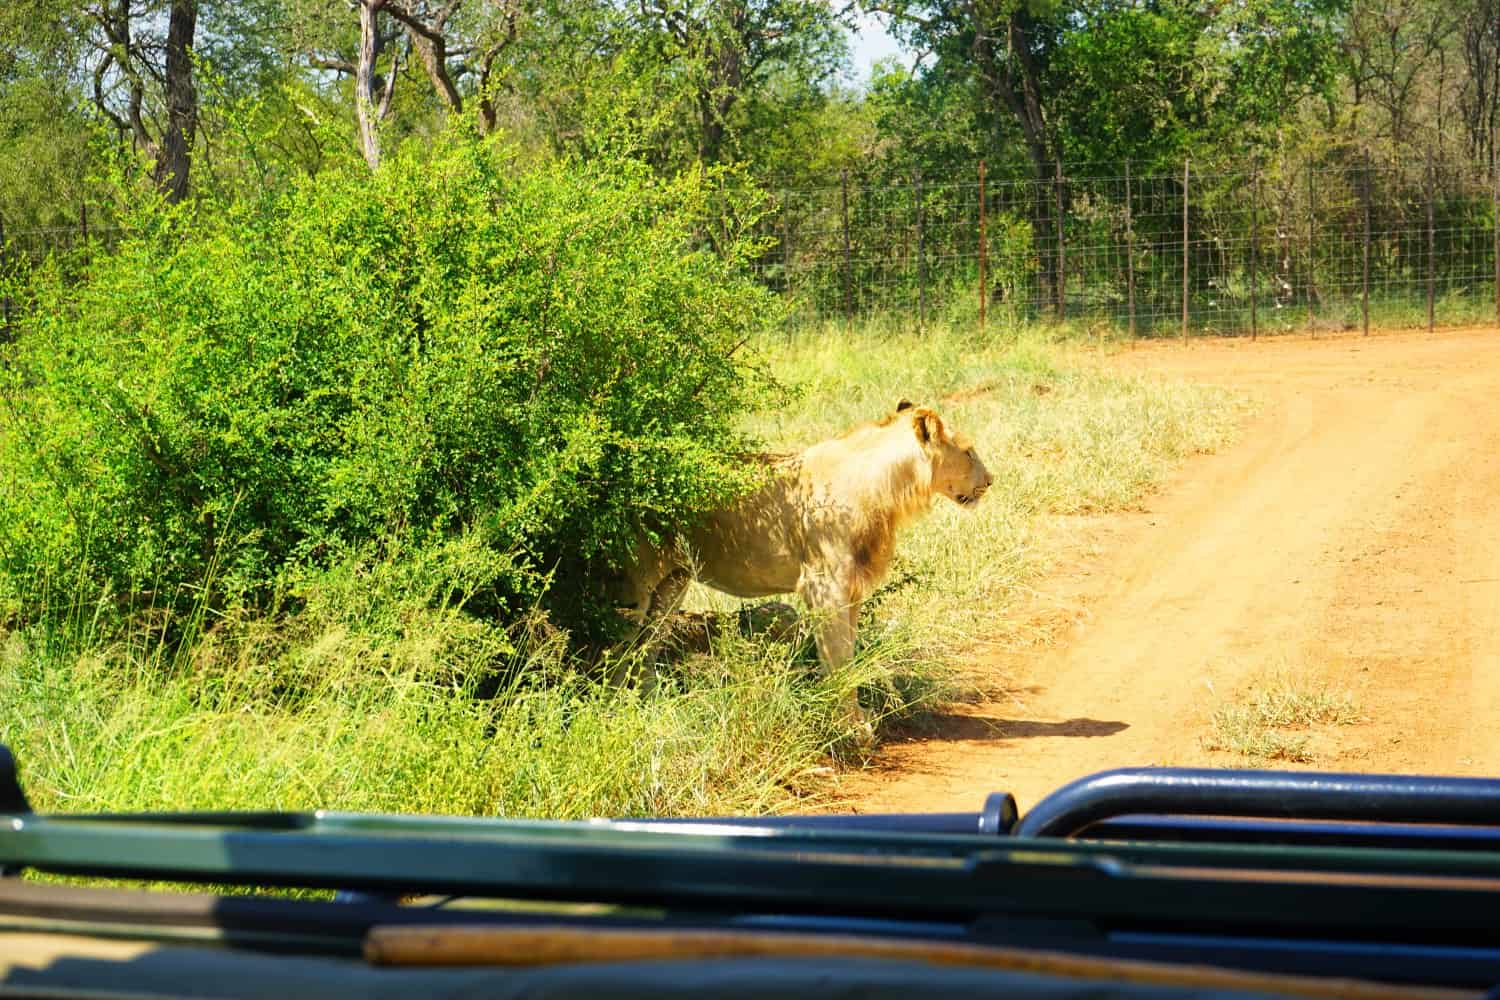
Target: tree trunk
(176, 155)
(1481, 51)
(434, 55)
(1014, 80)
(726, 79)
(364, 82)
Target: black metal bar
(1296, 833)
(1164, 889)
(995, 820)
(921, 258)
(1062, 249)
(12, 799)
(848, 264)
(1254, 240)
(1495, 215)
(984, 257)
(1265, 794)
(1365, 279)
(786, 248)
(1431, 251)
(1312, 261)
(1129, 255)
(1185, 177)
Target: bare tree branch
(384, 111)
(337, 65)
(431, 44)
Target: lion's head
(957, 471)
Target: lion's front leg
(835, 616)
(834, 631)
(655, 590)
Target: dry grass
(1277, 718)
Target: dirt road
(1351, 537)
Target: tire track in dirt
(1352, 536)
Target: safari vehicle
(1129, 883)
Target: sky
(871, 42)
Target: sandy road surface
(1351, 535)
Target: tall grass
(353, 698)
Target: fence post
(1185, 175)
(1365, 277)
(1312, 261)
(984, 256)
(921, 258)
(1495, 216)
(786, 249)
(1254, 245)
(1062, 250)
(1129, 256)
(4, 299)
(1431, 250)
(848, 264)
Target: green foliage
(540, 362)
(45, 150)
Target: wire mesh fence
(1275, 246)
(1272, 247)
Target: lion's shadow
(949, 727)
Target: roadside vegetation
(294, 521)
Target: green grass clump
(1271, 723)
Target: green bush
(456, 354)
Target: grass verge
(363, 697)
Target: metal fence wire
(1277, 246)
(1274, 247)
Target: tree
(1479, 100)
(45, 148)
(181, 98)
(456, 46)
(1113, 80)
(1396, 53)
(726, 52)
(139, 77)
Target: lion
(823, 526)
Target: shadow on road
(953, 727)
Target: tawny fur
(824, 526)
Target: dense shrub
(519, 366)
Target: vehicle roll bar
(1273, 795)
(996, 819)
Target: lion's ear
(929, 426)
(904, 404)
